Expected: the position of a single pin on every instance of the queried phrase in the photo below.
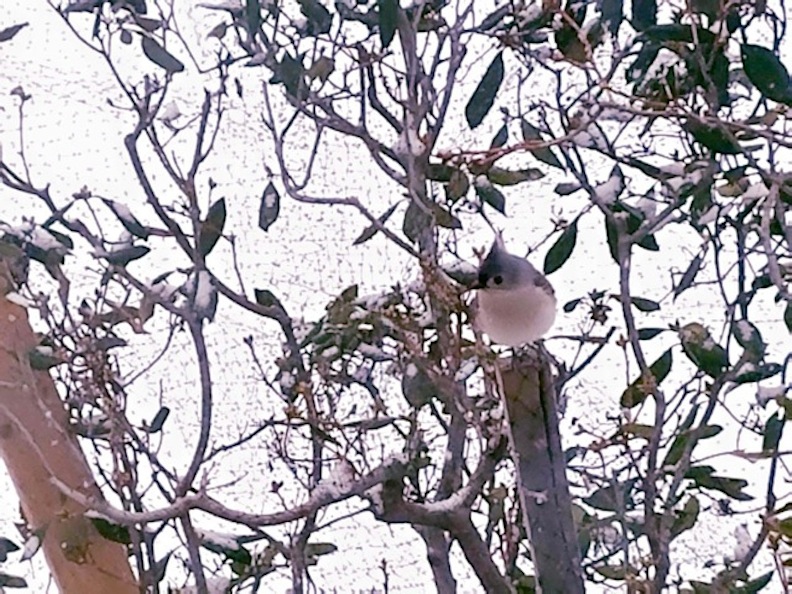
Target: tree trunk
(541, 474)
(37, 447)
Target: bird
(515, 303)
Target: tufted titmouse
(516, 304)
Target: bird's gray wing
(540, 280)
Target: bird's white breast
(515, 317)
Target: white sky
(73, 139)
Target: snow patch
(338, 482)
(204, 291)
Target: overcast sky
(73, 138)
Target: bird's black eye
(497, 279)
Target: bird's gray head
(515, 303)
(502, 271)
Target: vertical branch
(205, 376)
(194, 550)
(438, 547)
(532, 416)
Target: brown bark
(541, 475)
(37, 446)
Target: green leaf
(680, 33)
(751, 374)
(145, 23)
(339, 309)
(773, 429)
(238, 554)
(762, 281)
(702, 350)
(484, 96)
(430, 20)
(719, 74)
(614, 572)
(562, 249)
(688, 422)
(685, 518)
(49, 257)
(570, 306)
(61, 237)
(388, 18)
(440, 172)
(500, 137)
(124, 256)
(253, 16)
(689, 276)
(704, 478)
(372, 230)
(270, 207)
(417, 387)
(6, 546)
(788, 316)
(677, 448)
(566, 34)
(753, 586)
(785, 525)
(507, 177)
(266, 298)
(716, 138)
(110, 531)
(291, 73)
(490, 194)
(748, 337)
(160, 56)
(495, 18)
(700, 587)
(463, 275)
(643, 61)
(159, 420)
(646, 305)
(565, 189)
(157, 571)
(218, 31)
(644, 14)
(416, 221)
(9, 32)
(637, 391)
(322, 68)
(767, 73)
(649, 333)
(707, 7)
(613, 497)
(649, 243)
(211, 228)
(638, 430)
(543, 154)
(444, 218)
(12, 581)
(457, 186)
(635, 219)
(316, 549)
(319, 18)
(612, 14)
